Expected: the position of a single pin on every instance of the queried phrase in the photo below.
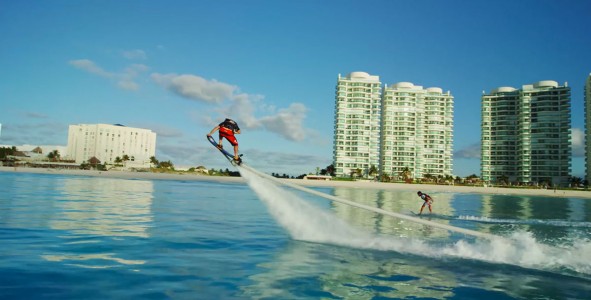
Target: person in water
(427, 201)
(227, 130)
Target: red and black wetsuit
(227, 129)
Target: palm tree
(330, 170)
(373, 171)
(6, 151)
(406, 174)
(355, 172)
(575, 181)
(504, 180)
(153, 160)
(167, 165)
(54, 155)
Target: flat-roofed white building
(417, 130)
(357, 123)
(107, 142)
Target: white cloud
(472, 151)
(124, 79)
(135, 69)
(127, 77)
(288, 122)
(135, 54)
(168, 132)
(48, 132)
(195, 87)
(129, 85)
(35, 115)
(244, 108)
(90, 67)
(578, 142)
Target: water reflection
(548, 218)
(311, 270)
(91, 210)
(396, 201)
(107, 207)
(307, 270)
(91, 257)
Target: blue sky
(180, 67)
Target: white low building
(107, 142)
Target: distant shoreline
(427, 188)
(124, 174)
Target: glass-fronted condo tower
(357, 123)
(526, 134)
(417, 131)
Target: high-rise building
(588, 129)
(391, 129)
(107, 142)
(357, 124)
(526, 134)
(416, 131)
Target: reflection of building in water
(579, 209)
(501, 206)
(108, 207)
(339, 272)
(534, 212)
(396, 201)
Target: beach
(426, 188)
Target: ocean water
(76, 237)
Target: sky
(181, 67)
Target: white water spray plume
(307, 222)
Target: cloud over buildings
(250, 110)
(288, 122)
(124, 79)
(135, 54)
(244, 108)
(472, 151)
(90, 67)
(578, 142)
(195, 87)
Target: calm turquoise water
(69, 237)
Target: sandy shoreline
(428, 188)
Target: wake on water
(559, 223)
(307, 222)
